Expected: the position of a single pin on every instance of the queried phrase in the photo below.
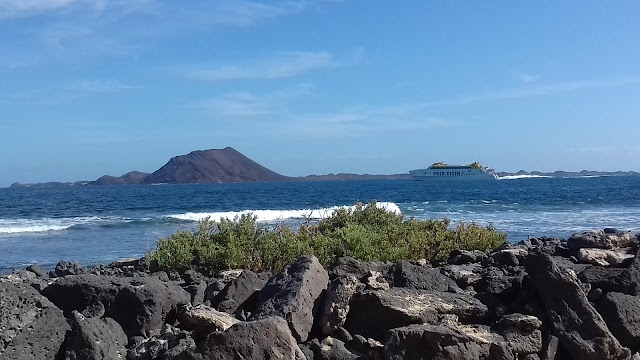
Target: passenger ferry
(440, 170)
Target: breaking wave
(17, 226)
(273, 215)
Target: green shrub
(365, 232)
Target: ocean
(100, 224)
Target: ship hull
(452, 174)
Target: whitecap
(513, 177)
(17, 226)
(273, 215)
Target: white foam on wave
(273, 215)
(17, 226)
(513, 177)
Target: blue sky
(93, 87)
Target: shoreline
(540, 299)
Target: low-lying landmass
(361, 284)
(229, 165)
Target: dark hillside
(212, 166)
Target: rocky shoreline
(540, 299)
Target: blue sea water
(99, 224)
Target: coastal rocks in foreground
(534, 300)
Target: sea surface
(99, 224)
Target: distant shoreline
(350, 176)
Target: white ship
(440, 170)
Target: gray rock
(604, 257)
(241, 292)
(335, 308)
(578, 326)
(501, 282)
(599, 239)
(196, 290)
(436, 342)
(294, 294)
(509, 257)
(350, 266)
(38, 270)
(461, 257)
(373, 313)
(171, 343)
(464, 275)
(267, 338)
(331, 349)
(549, 347)
(64, 268)
(621, 312)
(611, 279)
(374, 280)
(203, 319)
(31, 327)
(139, 305)
(526, 323)
(94, 339)
(407, 275)
(522, 342)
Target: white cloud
(281, 65)
(99, 86)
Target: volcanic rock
(294, 294)
(139, 305)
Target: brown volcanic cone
(212, 166)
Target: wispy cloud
(527, 78)
(18, 8)
(280, 65)
(536, 91)
(238, 12)
(245, 105)
(99, 86)
(26, 8)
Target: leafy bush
(365, 232)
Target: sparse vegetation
(365, 232)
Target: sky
(94, 87)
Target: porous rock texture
(532, 300)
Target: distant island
(229, 165)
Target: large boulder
(94, 339)
(139, 305)
(373, 313)
(578, 326)
(600, 239)
(438, 342)
(622, 314)
(31, 327)
(294, 295)
(241, 292)
(267, 338)
(411, 276)
(64, 268)
(604, 257)
(611, 279)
